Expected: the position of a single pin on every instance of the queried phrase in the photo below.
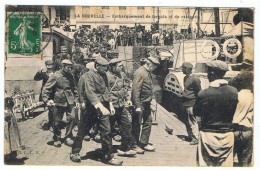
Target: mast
(217, 23)
(198, 23)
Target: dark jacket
(44, 76)
(216, 107)
(191, 90)
(93, 88)
(142, 89)
(63, 86)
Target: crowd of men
(94, 94)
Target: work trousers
(191, 123)
(58, 113)
(243, 147)
(143, 118)
(122, 118)
(86, 120)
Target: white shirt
(245, 108)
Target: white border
(197, 3)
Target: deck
(171, 150)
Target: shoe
(51, 129)
(76, 129)
(129, 153)
(69, 142)
(149, 148)
(57, 144)
(114, 162)
(117, 138)
(75, 157)
(194, 141)
(87, 138)
(97, 138)
(138, 150)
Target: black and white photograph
(115, 85)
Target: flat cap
(221, 65)
(187, 65)
(49, 62)
(154, 60)
(66, 62)
(102, 61)
(114, 60)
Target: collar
(145, 67)
(218, 82)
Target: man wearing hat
(190, 93)
(77, 56)
(142, 96)
(216, 106)
(65, 99)
(43, 75)
(95, 97)
(118, 95)
(63, 55)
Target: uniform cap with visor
(49, 63)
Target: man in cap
(243, 119)
(95, 97)
(118, 97)
(190, 93)
(63, 55)
(65, 99)
(216, 106)
(103, 53)
(43, 75)
(77, 56)
(142, 96)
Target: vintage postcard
(129, 85)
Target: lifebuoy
(225, 48)
(215, 44)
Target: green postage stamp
(24, 33)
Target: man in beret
(190, 93)
(65, 99)
(216, 106)
(118, 96)
(142, 96)
(95, 97)
(43, 75)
